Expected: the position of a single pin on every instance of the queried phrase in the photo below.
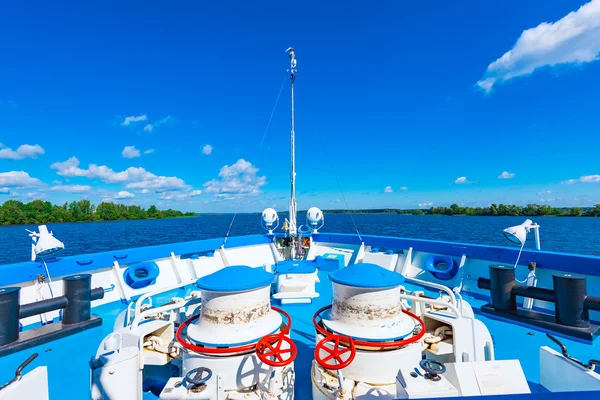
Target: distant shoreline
(38, 212)
(495, 210)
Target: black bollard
(76, 288)
(9, 315)
(502, 280)
(571, 292)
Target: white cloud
(4, 190)
(235, 181)
(180, 195)
(131, 119)
(158, 182)
(71, 188)
(590, 178)
(388, 189)
(506, 175)
(29, 195)
(70, 168)
(573, 39)
(424, 205)
(461, 180)
(583, 179)
(403, 188)
(165, 120)
(162, 121)
(124, 195)
(24, 151)
(149, 151)
(137, 177)
(207, 149)
(130, 152)
(545, 192)
(18, 179)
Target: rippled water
(564, 234)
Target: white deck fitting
(558, 374)
(31, 386)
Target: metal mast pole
(293, 227)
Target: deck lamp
(44, 245)
(314, 217)
(270, 218)
(518, 234)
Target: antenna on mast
(292, 209)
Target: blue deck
(67, 359)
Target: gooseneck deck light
(44, 245)
(518, 234)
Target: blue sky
(413, 104)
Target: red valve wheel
(335, 353)
(269, 351)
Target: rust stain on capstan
(368, 311)
(241, 317)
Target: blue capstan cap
(235, 279)
(366, 276)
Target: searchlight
(269, 218)
(518, 234)
(314, 216)
(44, 245)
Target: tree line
(14, 212)
(530, 210)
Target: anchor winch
(370, 346)
(235, 345)
(365, 335)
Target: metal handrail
(425, 300)
(442, 288)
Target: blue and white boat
(301, 313)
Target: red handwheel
(343, 357)
(269, 350)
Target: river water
(562, 234)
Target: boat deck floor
(69, 374)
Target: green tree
(575, 212)
(152, 211)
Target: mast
(292, 209)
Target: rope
(49, 278)
(228, 230)
(518, 258)
(339, 187)
(273, 111)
